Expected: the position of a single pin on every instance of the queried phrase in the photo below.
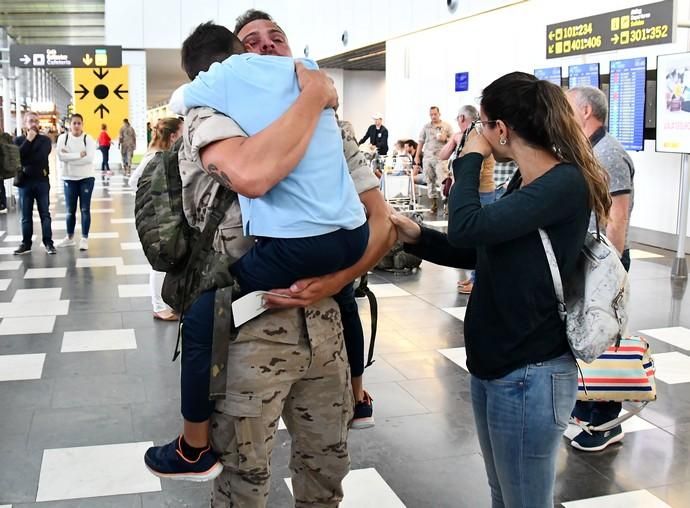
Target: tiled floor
(86, 384)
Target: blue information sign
(627, 101)
(462, 81)
(583, 75)
(552, 74)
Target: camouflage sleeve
(204, 126)
(360, 172)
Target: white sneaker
(84, 244)
(67, 242)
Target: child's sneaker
(364, 413)
(167, 461)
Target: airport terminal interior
(87, 378)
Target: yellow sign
(101, 96)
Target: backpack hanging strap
(374, 312)
(223, 329)
(555, 273)
(217, 212)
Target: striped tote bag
(625, 372)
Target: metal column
(680, 267)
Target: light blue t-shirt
(318, 197)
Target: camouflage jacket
(204, 126)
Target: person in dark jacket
(523, 375)
(34, 149)
(377, 135)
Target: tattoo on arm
(219, 176)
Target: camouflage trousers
(435, 171)
(302, 376)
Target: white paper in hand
(250, 306)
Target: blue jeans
(78, 190)
(520, 421)
(38, 190)
(105, 150)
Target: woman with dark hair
(524, 377)
(76, 151)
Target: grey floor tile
(179, 497)
(14, 426)
(421, 364)
(677, 495)
(159, 421)
(391, 400)
(126, 501)
(99, 363)
(26, 394)
(85, 426)
(85, 391)
(449, 394)
(19, 471)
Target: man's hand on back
(319, 83)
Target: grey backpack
(594, 305)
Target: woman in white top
(76, 151)
(165, 133)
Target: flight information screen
(627, 101)
(552, 74)
(583, 75)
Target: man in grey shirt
(591, 110)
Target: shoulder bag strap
(66, 138)
(555, 273)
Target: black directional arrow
(100, 109)
(118, 91)
(84, 91)
(99, 73)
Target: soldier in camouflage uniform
(434, 135)
(288, 362)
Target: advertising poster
(673, 103)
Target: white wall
(318, 23)
(364, 94)
(419, 73)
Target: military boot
(434, 206)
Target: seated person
(311, 223)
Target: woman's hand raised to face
(408, 230)
(476, 143)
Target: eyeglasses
(479, 124)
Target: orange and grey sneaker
(168, 461)
(364, 413)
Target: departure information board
(583, 75)
(638, 25)
(627, 101)
(552, 74)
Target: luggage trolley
(397, 185)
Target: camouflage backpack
(170, 244)
(10, 162)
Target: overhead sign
(643, 25)
(102, 96)
(462, 81)
(673, 103)
(59, 56)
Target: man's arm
(382, 235)
(618, 220)
(366, 136)
(448, 148)
(253, 165)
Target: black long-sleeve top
(34, 156)
(377, 137)
(512, 317)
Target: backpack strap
(555, 273)
(84, 140)
(363, 287)
(217, 212)
(66, 138)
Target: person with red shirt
(104, 143)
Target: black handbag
(20, 178)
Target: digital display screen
(583, 75)
(552, 74)
(627, 101)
